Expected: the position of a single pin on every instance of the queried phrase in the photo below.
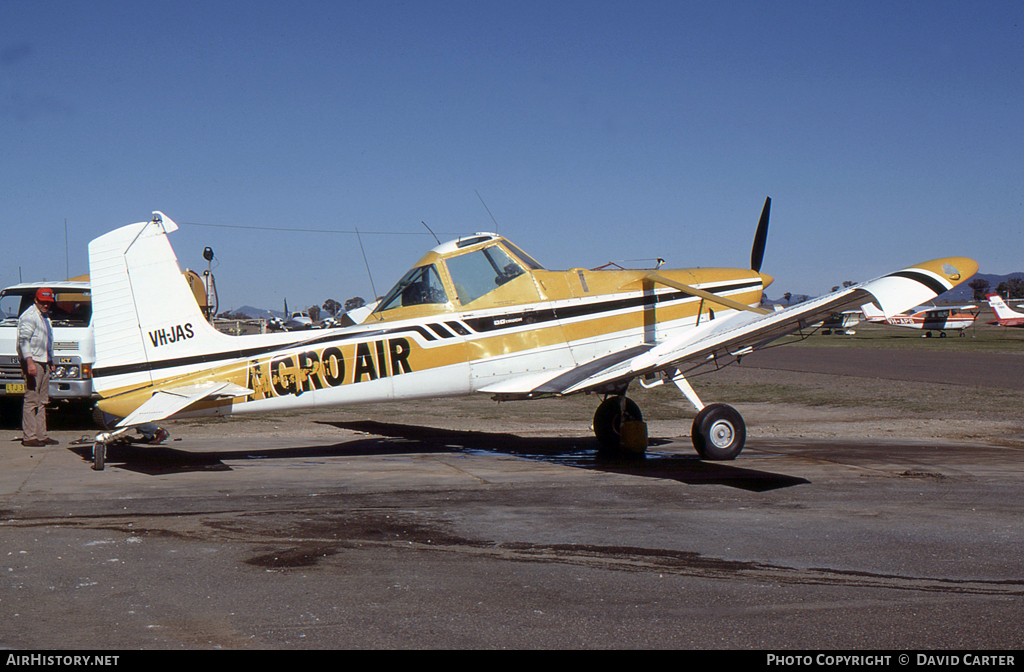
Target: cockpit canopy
(459, 272)
(421, 285)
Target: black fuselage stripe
(441, 331)
(478, 325)
(492, 323)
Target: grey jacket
(35, 336)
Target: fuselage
(470, 315)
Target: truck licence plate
(15, 388)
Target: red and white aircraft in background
(1005, 316)
(926, 318)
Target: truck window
(12, 305)
(71, 309)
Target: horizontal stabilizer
(166, 403)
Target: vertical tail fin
(872, 313)
(143, 308)
(1002, 311)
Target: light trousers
(37, 395)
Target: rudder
(143, 308)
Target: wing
(742, 332)
(166, 403)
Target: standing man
(35, 347)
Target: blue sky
(886, 133)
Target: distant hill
(256, 313)
(964, 294)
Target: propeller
(757, 251)
(756, 257)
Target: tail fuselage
(1005, 316)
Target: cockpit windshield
(480, 272)
(419, 286)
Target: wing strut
(708, 296)
(684, 386)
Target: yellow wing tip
(953, 269)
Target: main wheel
(608, 421)
(719, 432)
(99, 454)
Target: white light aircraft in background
(475, 315)
(842, 323)
(1005, 316)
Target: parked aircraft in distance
(475, 315)
(1005, 316)
(926, 318)
(292, 321)
(841, 323)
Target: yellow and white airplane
(475, 315)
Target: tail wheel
(719, 432)
(608, 421)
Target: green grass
(982, 338)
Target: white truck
(73, 349)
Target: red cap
(44, 295)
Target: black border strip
(923, 278)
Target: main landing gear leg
(718, 430)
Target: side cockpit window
(527, 260)
(419, 286)
(478, 273)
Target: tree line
(1012, 288)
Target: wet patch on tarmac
(583, 453)
(293, 558)
(321, 539)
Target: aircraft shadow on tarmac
(400, 439)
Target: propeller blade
(761, 237)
